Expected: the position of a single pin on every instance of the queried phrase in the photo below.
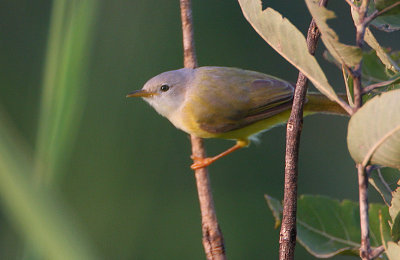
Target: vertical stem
(360, 31)
(365, 250)
(360, 25)
(189, 50)
(287, 236)
(213, 241)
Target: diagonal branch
(287, 239)
(377, 13)
(213, 240)
(369, 88)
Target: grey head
(166, 91)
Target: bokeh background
(127, 180)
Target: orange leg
(204, 162)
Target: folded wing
(228, 99)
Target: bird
(227, 103)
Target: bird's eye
(164, 88)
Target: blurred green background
(126, 177)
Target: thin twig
(387, 187)
(365, 250)
(287, 236)
(371, 87)
(376, 252)
(213, 241)
(189, 50)
(370, 168)
(377, 13)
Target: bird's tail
(318, 103)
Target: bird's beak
(140, 93)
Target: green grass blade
(36, 213)
(64, 84)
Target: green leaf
(385, 234)
(393, 250)
(380, 184)
(384, 230)
(395, 232)
(344, 54)
(380, 51)
(375, 74)
(389, 21)
(374, 131)
(327, 227)
(391, 176)
(394, 209)
(374, 71)
(288, 41)
(382, 4)
(36, 213)
(276, 208)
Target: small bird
(228, 103)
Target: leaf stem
(287, 236)
(345, 78)
(213, 241)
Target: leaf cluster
(327, 227)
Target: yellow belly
(190, 125)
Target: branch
(365, 250)
(189, 51)
(360, 31)
(371, 87)
(352, 5)
(213, 241)
(387, 187)
(376, 252)
(287, 236)
(377, 13)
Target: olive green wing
(230, 100)
(270, 96)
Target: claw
(204, 162)
(201, 162)
(195, 158)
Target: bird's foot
(201, 162)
